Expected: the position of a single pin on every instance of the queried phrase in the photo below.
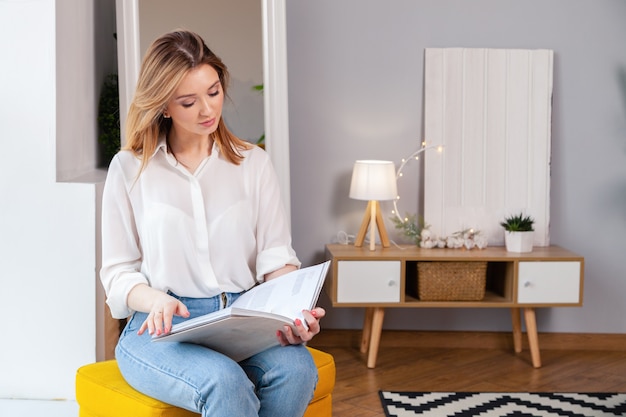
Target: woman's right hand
(161, 308)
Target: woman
(192, 217)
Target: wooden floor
(458, 368)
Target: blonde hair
(165, 64)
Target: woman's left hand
(287, 336)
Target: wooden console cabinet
(387, 278)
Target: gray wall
(355, 92)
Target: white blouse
(220, 229)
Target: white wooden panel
(368, 281)
(549, 282)
(473, 131)
(491, 109)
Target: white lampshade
(373, 180)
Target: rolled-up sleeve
(121, 249)
(273, 230)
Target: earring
(165, 115)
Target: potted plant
(260, 141)
(109, 119)
(518, 233)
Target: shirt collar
(161, 145)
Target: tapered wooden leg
(367, 329)
(382, 230)
(517, 329)
(367, 218)
(533, 339)
(377, 328)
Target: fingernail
(298, 322)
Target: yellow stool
(101, 391)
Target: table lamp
(373, 181)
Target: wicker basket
(451, 281)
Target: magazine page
(288, 294)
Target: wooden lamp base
(374, 219)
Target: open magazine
(249, 325)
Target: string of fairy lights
(413, 157)
(468, 238)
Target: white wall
(47, 229)
(356, 92)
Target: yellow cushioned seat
(101, 391)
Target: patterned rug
(502, 404)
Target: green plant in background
(259, 88)
(518, 223)
(109, 119)
(410, 227)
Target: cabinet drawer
(549, 283)
(368, 281)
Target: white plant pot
(518, 241)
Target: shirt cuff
(117, 298)
(274, 258)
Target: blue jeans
(278, 382)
